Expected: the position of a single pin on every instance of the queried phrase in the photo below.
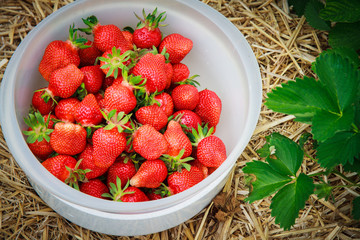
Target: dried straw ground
(284, 45)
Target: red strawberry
(51, 118)
(88, 112)
(68, 138)
(152, 115)
(134, 194)
(180, 181)
(59, 54)
(93, 78)
(147, 34)
(106, 36)
(177, 46)
(108, 81)
(177, 140)
(40, 104)
(152, 68)
(121, 169)
(185, 96)
(198, 164)
(209, 107)
(166, 103)
(38, 135)
(88, 55)
(64, 82)
(128, 36)
(65, 109)
(57, 166)
(120, 98)
(149, 143)
(150, 174)
(181, 72)
(188, 118)
(95, 188)
(211, 151)
(108, 145)
(87, 162)
(169, 74)
(153, 196)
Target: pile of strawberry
(120, 117)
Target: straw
(284, 45)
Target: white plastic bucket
(221, 56)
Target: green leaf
(349, 53)
(339, 76)
(341, 11)
(304, 138)
(301, 98)
(353, 167)
(342, 148)
(312, 14)
(356, 208)
(323, 190)
(289, 155)
(267, 182)
(345, 35)
(299, 6)
(326, 124)
(286, 203)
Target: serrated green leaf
(301, 98)
(289, 155)
(304, 138)
(353, 167)
(323, 190)
(345, 35)
(312, 14)
(339, 76)
(341, 11)
(342, 148)
(326, 124)
(299, 6)
(267, 182)
(356, 208)
(345, 52)
(289, 200)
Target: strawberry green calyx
(116, 192)
(151, 21)
(163, 190)
(191, 81)
(118, 120)
(115, 61)
(176, 163)
(91, 22)
(76, 175)
(132, 81)
(40, 130)
(197, 135)
(76, 41)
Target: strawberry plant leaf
(267, 182)
(312, 14)
(339, 75)
(356, 208)
(326, 124)
(323, 190)
(345, 35)
(341, 11)
(349, 53)
(289, 155)
(299, 6)
(289, 200)
(340, 149)
(301, 98)
(353, 167)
